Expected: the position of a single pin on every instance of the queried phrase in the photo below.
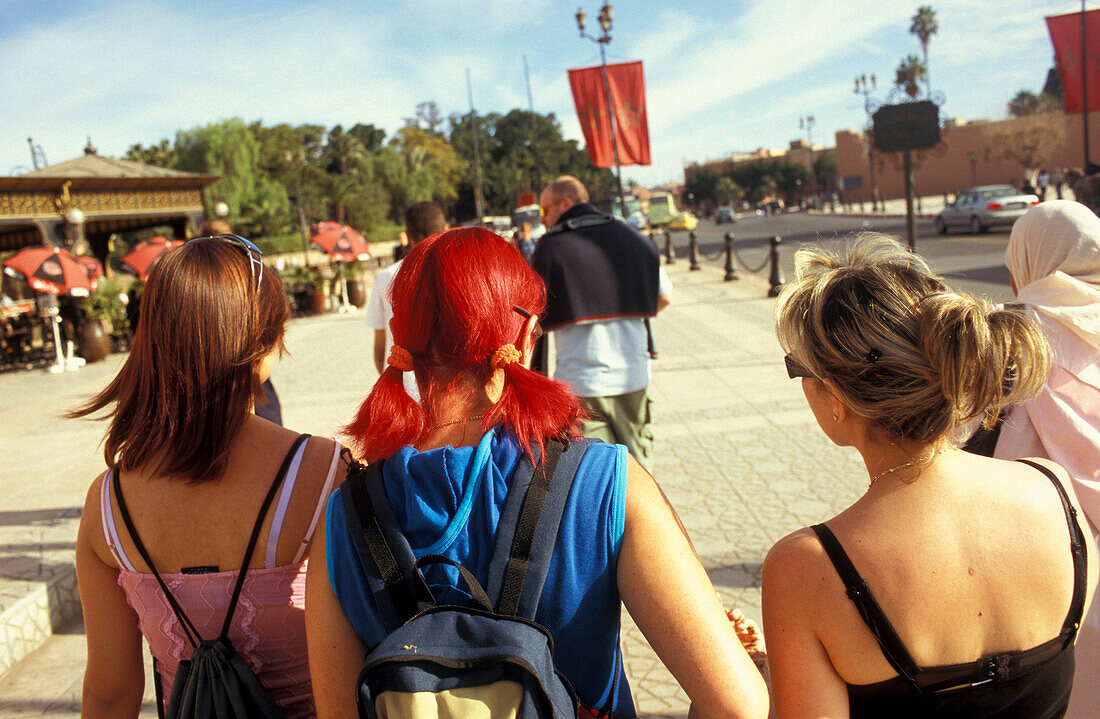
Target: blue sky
(721, 76)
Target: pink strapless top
(268, 628)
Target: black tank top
(1030, 684)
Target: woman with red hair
(466, 307)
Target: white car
(980, 208)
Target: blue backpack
(487, 660)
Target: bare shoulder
(794, 559)
(90, 532)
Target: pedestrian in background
(605, 281)
(1058, 179)
(1042, 182)
(1053, 258)
(949, 588)
(402, 247)
(466, 312)
(523, 241)
(422, 219)
(191, 468)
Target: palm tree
(909, 74)
(924, 26)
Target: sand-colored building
(971, 154)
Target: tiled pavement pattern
(738, 454)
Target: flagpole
(614, 134)
(602, 40)
(1085, 84)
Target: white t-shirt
(605, 358)
(380, 312)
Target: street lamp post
(298, 162)
(807, 124)
(865, 88)
(604, 19)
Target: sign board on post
(908, 126)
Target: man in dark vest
(604, 281)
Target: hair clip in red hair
(400, 359)
(506, 355)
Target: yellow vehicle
(684, 221)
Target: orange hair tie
(400, 359)
(506, 355)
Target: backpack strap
(398, 588)
(189, 629)
(528, 528)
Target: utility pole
(1085, 84)
(479, 201)
(533, 138)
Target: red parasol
(51, 269)
(341, 242)
(144, 255)
(93, 267)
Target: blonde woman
(954, 585)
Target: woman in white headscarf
(1054, 260)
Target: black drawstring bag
(216, 682)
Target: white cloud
(721, 76)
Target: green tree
(370, 137)
(726, 191)
(909, 74)
(825, 171)
(702, 181)
(431, 168)
(160, 155)
(924, 26)
(258, 205)
(341, 150)
(1026, 103)
(427, 118)
(519, 152)
(1029, 141)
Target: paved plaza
(738, 454)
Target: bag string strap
(409, 595)
(192, 634)
(519, 558)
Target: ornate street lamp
(604, 18)
(807, 124)
(865, 88)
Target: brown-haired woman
(191, 471)
(949, 589)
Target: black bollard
(775, 278)
(670, 252)
(693, 252)
(731, 271)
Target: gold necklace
(454, 422)
(910, 463)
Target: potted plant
(105, 316)
(357, 288)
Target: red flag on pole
(1065, 35)
(627, 85)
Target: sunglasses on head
(794, 369)
(252, 252)
(527, 315)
